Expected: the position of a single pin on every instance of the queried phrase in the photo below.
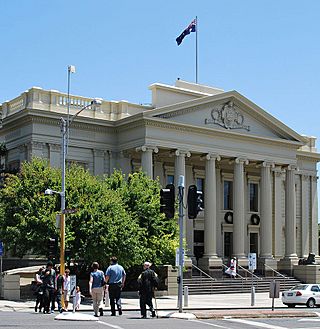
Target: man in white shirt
(66, 289)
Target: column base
(271, 264)
(211, 265)
(286, 264)
(187, 272)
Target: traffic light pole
(64, 129)
(181, 256)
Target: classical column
(146, 158)
(54, 155)
(278, 238)
(314, 215)
(266, 211)
(238, 208)
(305, 218)
(125, 162)
(290, 217)
(112, 161)
(180, 166)
(98, 162)
(210, 207)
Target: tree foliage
(116, 215)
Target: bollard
(252, 295)
(186, 295)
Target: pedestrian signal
(195, 201)
(52, 248)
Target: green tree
(114, 215)
(141, 197)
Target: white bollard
(253, 290)
(186, 295)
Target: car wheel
(291, 305)
(311, 303)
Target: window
(227, 195)
(315, 288)
(253, 197)
(170, 179)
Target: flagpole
(196, 49)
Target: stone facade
(258, 176)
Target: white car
(302, 294)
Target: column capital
(278, 171)
(54, 147)
(268, 164)
(305, 177)
(241, 160)
(292, 167)
(145, 148)
(182, 153)
(98, 152)
(211, 156)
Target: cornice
(303, 155)
(48, 118)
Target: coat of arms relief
(227, 116)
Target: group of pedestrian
(113, 281)
(51, 285)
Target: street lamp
(65, 127)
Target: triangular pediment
(228, 112)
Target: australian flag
(190, 28)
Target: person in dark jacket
(49, 286)
(148, 281)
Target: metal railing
(203, 272)
(274, 271)
(250, 273)
(237, 274)
(282, 282)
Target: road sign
(177, 257)
(252, 261)
(73, 285)
(1, 248)
(70, 211)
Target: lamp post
(65, 126)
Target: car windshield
(300, 287)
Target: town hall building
(258, 176)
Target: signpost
(252, 265)
(73, 286)
(274, 291)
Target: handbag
(103, 281)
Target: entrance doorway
(227, 244)
(254, 243)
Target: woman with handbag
(96, 288)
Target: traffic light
(167, 201)
(52, 248)
(195, 201)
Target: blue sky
(269, 51)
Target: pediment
(229, 112)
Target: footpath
(199, 306)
